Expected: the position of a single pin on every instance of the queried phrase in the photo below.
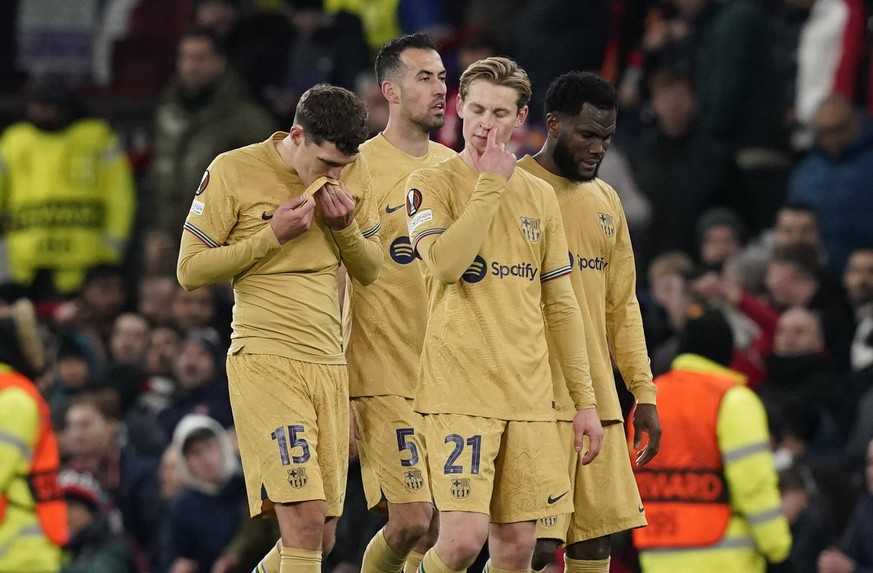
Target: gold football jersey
(484, 349)
(285, 296)
(604, 280)
(388, 317)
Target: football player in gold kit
(495, 260)
(388, 317)
(265, 217)
(580, 118)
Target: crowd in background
(744, 160)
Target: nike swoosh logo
(552, 500)
(642, 509)
(389, 209)
(266, 217)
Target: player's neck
(409, 139)
(283, 147)
(546, 158)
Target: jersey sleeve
(624, 323)
(448, 247)
(561, 309)
(204, 256)
(359, 243)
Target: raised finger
(491, 140)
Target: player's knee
(512, 548)
(466, 549)
(411, 521)
(544, 553)
(591, 549)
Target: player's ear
(296, 134)
(522, 115)
(390, 92)
(553, 124)
(459, 105)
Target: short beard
(566, 166)
(426, 123)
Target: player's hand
(292, 218)
(495, 158)
(835, 561)
(181, 565)
(587, 423)
(337, 206)
(646, 421)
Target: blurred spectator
(170, 473)
(829, 57)
(682, 170)
(33, 520)
(202, 384)
(91, 315)
(66, 191)
(92, 442)
(162, 351)
(129, 340)
(616, 170)
(721, 234)
(135, 45)
(93, 547)
(796, 223)
(856, 554)
(384, 20)
(204, 517)
(668, 280)
(72, 374)
(715, 433)
(156, 299)
(194, 309)
(204, 112)
(795, 278)
(858, 280)
(834, 179)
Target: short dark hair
(668, 76)
(334, 114)
(803, 257)
(708, 335)
(195, 437)
(569, 92)
(388, 59)
(218, 45)
(798, 206)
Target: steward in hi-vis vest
(710, 496)
(33, 515)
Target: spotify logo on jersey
(401, 251)
(476, 272)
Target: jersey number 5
(296, 441)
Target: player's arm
(19, 423)
(624, 333)
(355, 224)
(203, 257)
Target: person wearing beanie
(93, 546)
(206, 515)
(33, 516)
(711, 495)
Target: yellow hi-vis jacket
(756, 531)
(66, 199)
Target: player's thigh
(392, 451)
(461, 455)
(531, 478)
(606, 499)
(280, 429)
(329, 387)
(555, 526)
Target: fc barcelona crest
(549, 521)
(607, 224)
(460, 488)
(413, 480)
(297, 478)
(530, 228)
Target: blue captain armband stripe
(372, 230)
(206, 239)
(553, 274)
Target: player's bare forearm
(564, 318)
(450, 254)
(361, 256)
(200, 264)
